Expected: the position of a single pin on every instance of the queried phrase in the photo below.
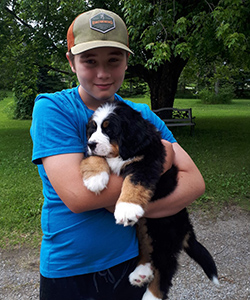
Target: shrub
(133, 87)
(49, 82)
(25, 91)
(24, 100)
(3, 94)
(225, 96)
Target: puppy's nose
(92, 145)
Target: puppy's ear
(135, 133)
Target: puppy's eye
(105, 124)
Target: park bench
(176, 117)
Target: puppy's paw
(97, 183)
(142, 274)
(128, 213)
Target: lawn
(20, 186)
(220, 147)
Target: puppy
(120, 140)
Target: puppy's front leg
(95, 173)
(132, 202)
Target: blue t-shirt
(75, 244)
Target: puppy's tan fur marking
(93, 165)
(115, 150)
(145, 242)
(185, 240)
(136, 194)
(154, 285)
(132, 160)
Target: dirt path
(227, 237)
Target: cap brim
(97, 44)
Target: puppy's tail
(201, 255)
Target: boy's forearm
(64, 174)
(170, 154)
(190, 187)
(106, 199)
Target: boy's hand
(169, 155)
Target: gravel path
(227, 237)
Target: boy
(84, 254)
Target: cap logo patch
(102, 23)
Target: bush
(225, 96)
(25, 91)
(3, 94)
(24, 99)
(133, 87)
(49, 82)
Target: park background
(187, 55)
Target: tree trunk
(216, 87)
(162, 82)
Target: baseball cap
(97, 28)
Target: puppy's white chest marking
(116, 164)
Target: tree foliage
(34, 39)
(165, 36)
(225, 54)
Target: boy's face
(100, 73)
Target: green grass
(220, 147)
(221, 150)
(20, 186)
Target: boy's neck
(91, 102)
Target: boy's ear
(71, 63)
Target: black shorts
(110, 284)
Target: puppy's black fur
(172, 234)
(137, 137)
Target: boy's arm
(63, 172)
(190, 186)
(169, 155)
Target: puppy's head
(115, 129)
(103, 132)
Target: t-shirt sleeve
(54, 129)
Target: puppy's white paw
(141, 275)
(97, 183)
(149, 296)
(128, 213)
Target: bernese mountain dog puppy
(120, 140)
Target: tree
(226, 54)
(34, 40)
(8, 34)
(166, 34)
